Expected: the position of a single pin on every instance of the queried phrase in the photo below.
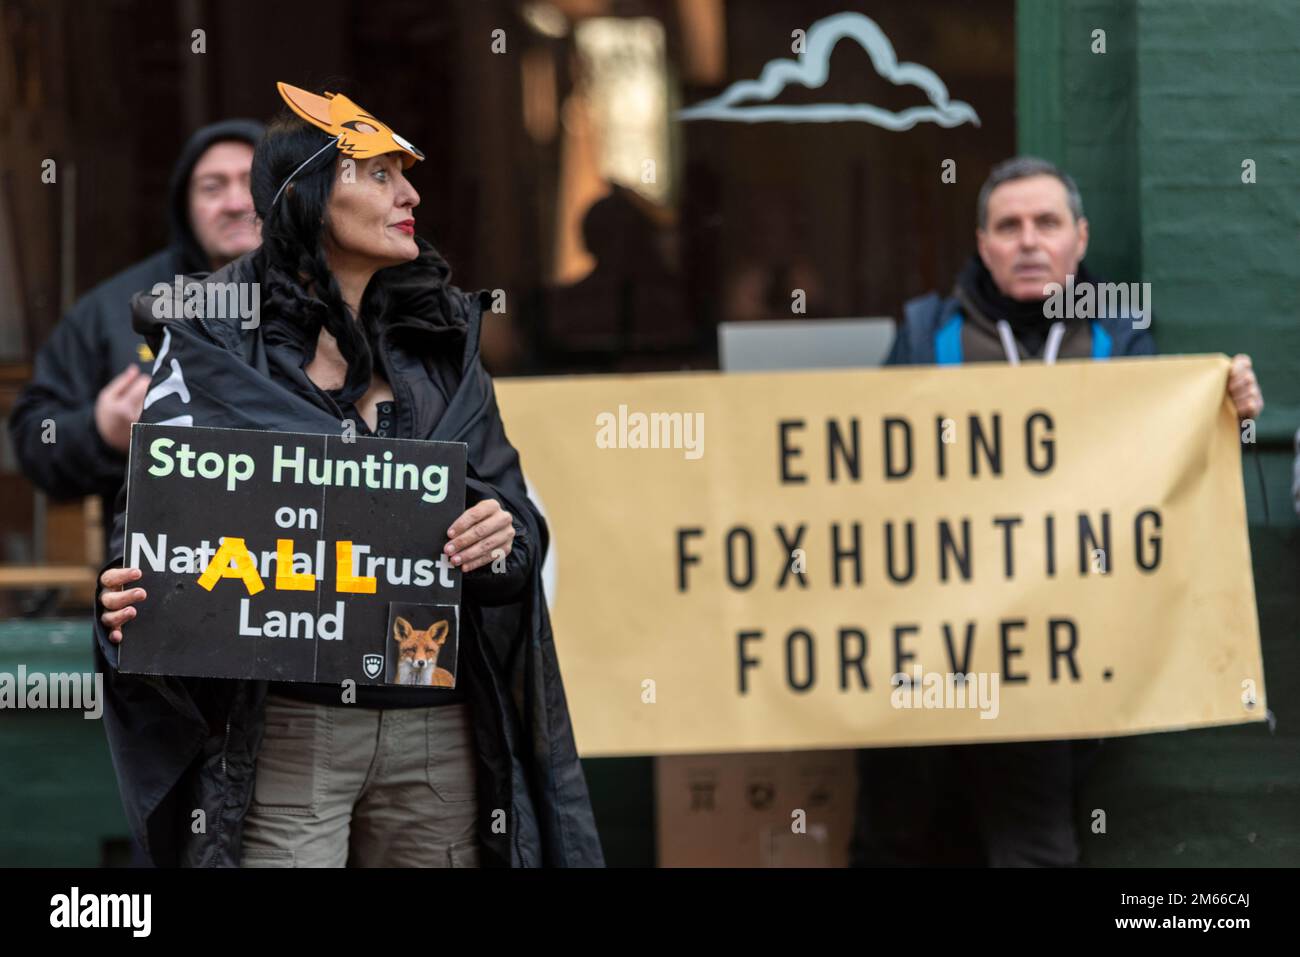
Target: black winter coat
(94, 342)
(184, 744)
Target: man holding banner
(1026, 295)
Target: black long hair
(298, 285)
(300, 293)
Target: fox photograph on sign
(294, 557)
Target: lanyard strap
(1012, 348)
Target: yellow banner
(814, 560)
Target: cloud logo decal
(735, 103)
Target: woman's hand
(118, 599)
(479, 532)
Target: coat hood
(185, 244)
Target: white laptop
(803, 344)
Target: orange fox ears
(402, 630)
(360, 135)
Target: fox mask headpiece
(357, 134)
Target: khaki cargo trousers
(339, 785)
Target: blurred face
(1030, 237)
(371, 219)
(221, 206)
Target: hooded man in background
(92, 373)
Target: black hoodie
(95, 342)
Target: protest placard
(292, 556)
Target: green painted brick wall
(1155, 131)
(1078, 111)
(1219, 83)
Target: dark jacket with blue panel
(937, 330)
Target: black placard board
(367, 594)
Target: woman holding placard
(357, 327)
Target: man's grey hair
(1022, 167)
